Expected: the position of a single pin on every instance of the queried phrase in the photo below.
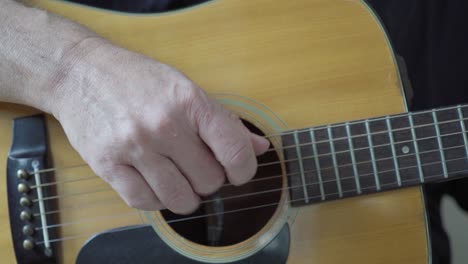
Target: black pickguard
(140, 244)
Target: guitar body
(310, 62)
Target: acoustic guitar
(318, 78)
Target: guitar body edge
(312, 63)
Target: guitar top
(301, 64)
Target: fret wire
(371, 150)
(364, 134)
(353, 158)
(317, 164)
(301, 167)
(363, 148)
(335, 164)
(463, 128)
(416, 148)
(439, 141)
(394, 153)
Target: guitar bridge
(27, 208)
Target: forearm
(36, 51)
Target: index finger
(231, 144)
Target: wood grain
(311, 62)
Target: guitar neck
(366, 156)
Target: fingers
(231, 144)
(194, 160)
(133, 189)
(171, 187)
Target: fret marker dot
(405, 149)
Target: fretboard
(377, 154)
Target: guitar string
(264, 192)
(296, 159)
(115, 201)
(279, 176)
(87, 178)
(109, 189)
(106, 203)
(279, 162)
(95, 177)
(457, 120)
(266, 205)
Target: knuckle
(239, 162)
(131, 137)
(184, 90)
(106, 173)
(143, 204)
(175, 198)
(130, 134)
(107, 177)
(144, 201)
(237, 155)
(179, 201)
(210, 187)
(134, 203)
(165, 125)
(133, 198)
(197, 106)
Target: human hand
(148, 130)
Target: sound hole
(234, 214)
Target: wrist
(39, 51)
(73, 76)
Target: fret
(292, 169)
(452, 139)
(416, 148)
(335, 164)
(404, 149)
(384, 158)
(441, 147)
(361, 150)
(344, 164)
(353, 159)
(325, 161)
(301, 172)
(428, 145)
(301, 167)
(463, 129)
(317, 163)
(371, 150)
(394, 153)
